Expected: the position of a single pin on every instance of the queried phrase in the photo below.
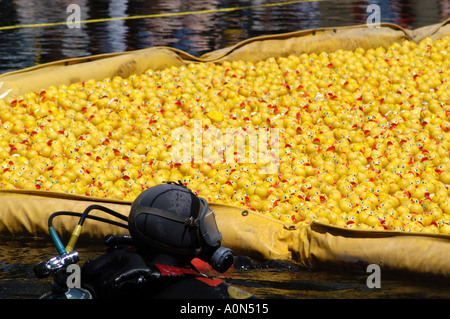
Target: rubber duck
(352, 218)
(325, 146)
(444, 229)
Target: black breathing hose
(77, 230)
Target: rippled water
(18, 256)
(179, 24)
(273, 280)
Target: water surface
(187, 30)
(268, 280)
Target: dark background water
(268, 280)
(194, 33)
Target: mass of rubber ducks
(363, 143)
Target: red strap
(174, 271)
(201, 265)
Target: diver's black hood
(157, 219)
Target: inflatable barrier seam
(336, 31)
(59, 195)
(16, 83)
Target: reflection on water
(307, 284)
(273, 280)
(18, 256)
(194, 33)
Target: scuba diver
(169, 227)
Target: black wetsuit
(126, 274)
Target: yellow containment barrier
(125, 64)
(244, 231)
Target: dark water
(268, 280)
(195, 33)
